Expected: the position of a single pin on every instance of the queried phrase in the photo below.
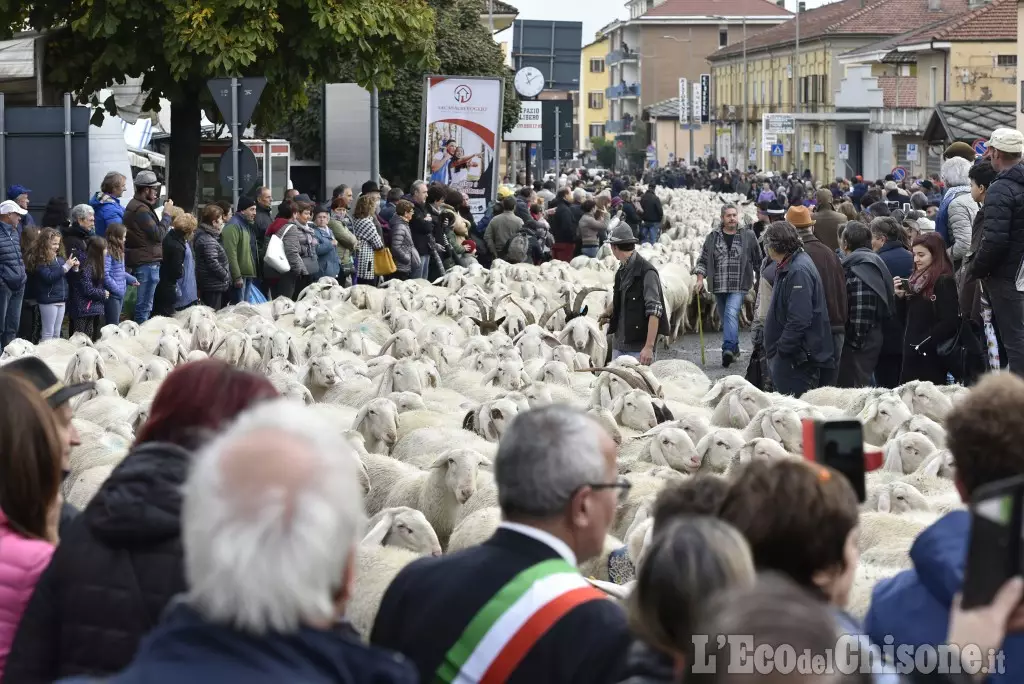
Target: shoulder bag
(383, 262)
(275, 257)
(961, 354)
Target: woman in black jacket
(213, 275)
(929, 304)
(120, 562)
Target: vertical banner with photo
(461, 134)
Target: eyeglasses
(622, 484)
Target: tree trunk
(183, 175)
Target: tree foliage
(462, 46)
(604, 152)
(177, 45)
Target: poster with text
(461, 133)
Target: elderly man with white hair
(271, 517)
(516, 609)
(958, 209)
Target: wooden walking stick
(700, 330)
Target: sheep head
(404, 528)
(880, 415)
(900, 497)
(673, 448)
(904, 454)
(407, 401)
(719, 448)
(321, 372)
(460, 471)
(377, 422)
(925, 398)
(86, 365)
(635, 410)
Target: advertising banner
(461, 132)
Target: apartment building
(593, 104)
(955, 79)
(665, 40)
(796, 68)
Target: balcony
(900, 120)
(623, 90)
(622, 127)
(623, 55)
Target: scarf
(870, 268)
(923, 283)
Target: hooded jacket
(107, 210)
(913, 607)
(1002, 246)
(117, 566)
(21, 563)
(186, 648)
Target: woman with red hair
(930, 305)
(120, 561)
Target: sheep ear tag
(584, 310)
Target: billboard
(554, 47)
(564, 127)
(461, 131)
(529, 127)
(346, 136)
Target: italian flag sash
(507, 627)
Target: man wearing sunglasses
(516, 609)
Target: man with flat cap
(997, 262)
(637, 313)
(57, 395)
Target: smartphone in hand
(839, 444)
(995, 547)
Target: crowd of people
(202, 558)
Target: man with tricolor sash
(516, 609)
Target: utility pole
(490, 15)
(797, 144)
(746, 112)
(374, 136)
(234, 142)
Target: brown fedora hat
(799, 217)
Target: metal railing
(621, 127)
(621, 55)
(622, 90)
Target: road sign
(768, 140)
(899, 173)
(671, 156)
(911, 152)
(684, 101)
(247, 171)
(249, 91)
(705, 98)
(777, 150)
(805, 146)
(980, 145)
(753, 154)
(652, 152)
(707, 150)
(779, 124)
(563, 125)
(844, 151)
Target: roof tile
(906, 96)
(849, 17)
(726, 8)
(995, 21)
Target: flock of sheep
(423, 380)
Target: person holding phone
(47, 280)
(913, 608)
(929, 304)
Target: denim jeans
(591, 252)
(148, 276)
(424, 267)
(112, 309)
(53, 318)
(10, 312)
(793, 380)
(729, 304)
(650, 232)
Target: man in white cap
(12, 271)
(998, 260)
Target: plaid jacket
(369, 241)
(862, 310)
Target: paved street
(689, 348)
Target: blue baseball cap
(16, 190)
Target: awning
(17, 58)
(145, 159)
(969, 121)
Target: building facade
(593, 104)
(797, 68)
(955, 79)
(663, 41)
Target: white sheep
(779, 424)
(880, 415)
(474, 529)
(905, 453)
(924, 425)
(738, 407)
(670, 447)
(85, 485)
(925, 398)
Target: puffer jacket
(960, 219)
(212, 271)
(12, 266)
(85, 297)
(297, 244)
(117, 567)
(48, 284)
(115, 277)
(1002, 243)
(21, 564)
(107, 210)
(75, 239)
(403, 250)
(326, 253)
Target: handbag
(383, 262)
(962, 354)
(275, 257)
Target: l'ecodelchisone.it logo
(463, 94)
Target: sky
(593, 13)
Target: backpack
(517, 248)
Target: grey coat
(960, 221)
(750, 258)
(407, 258)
